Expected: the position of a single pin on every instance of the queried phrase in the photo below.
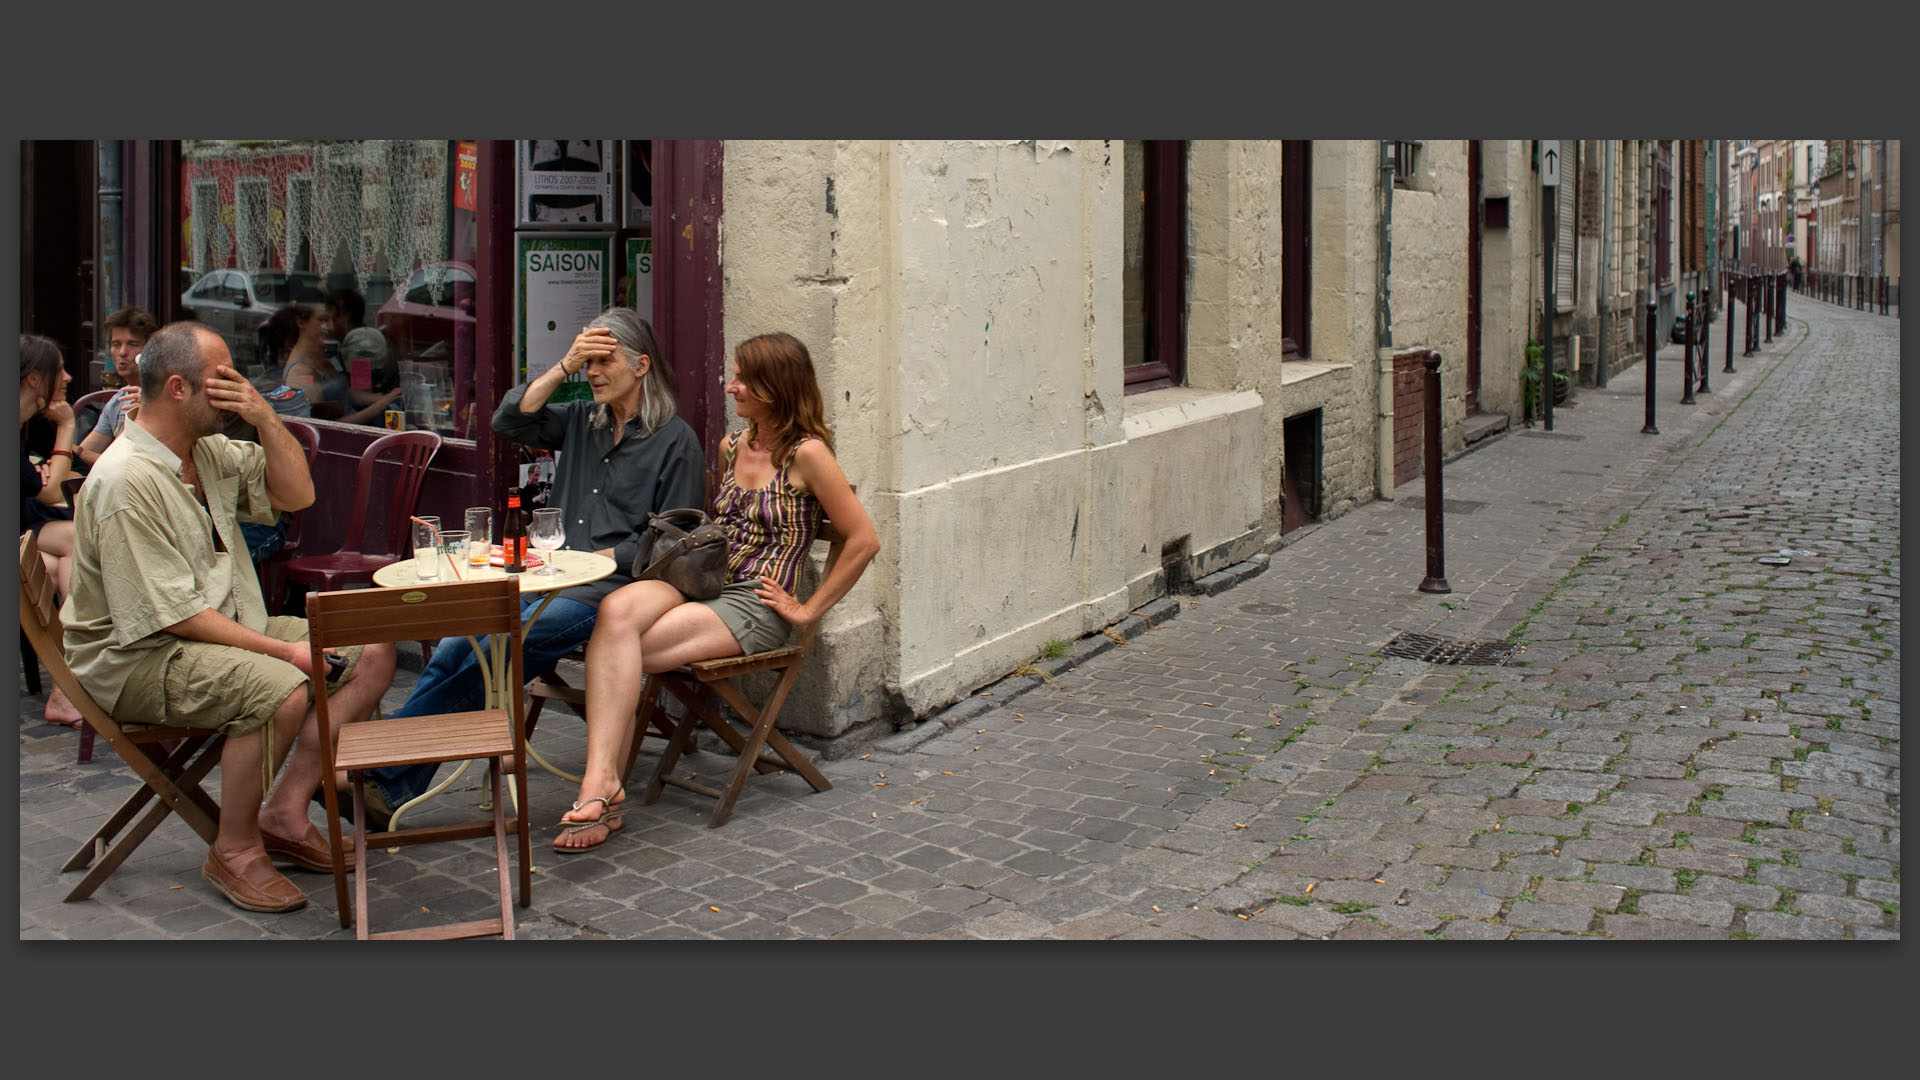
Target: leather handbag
(685, 549)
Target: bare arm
(586, 345)
(815, 470)
(92, 447)
(60, 462)
(216, 629)
(289, 486)
(373, 409)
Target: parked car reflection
(237, 303)
(424, 312)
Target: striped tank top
(769, 529)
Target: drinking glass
(454, 543)
(548, 533)
(479, 535)
(426, 548)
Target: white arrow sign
(1549, 162)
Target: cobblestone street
(1697, 736)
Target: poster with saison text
(564, 281)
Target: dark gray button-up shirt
(607, 490)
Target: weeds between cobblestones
(1689, 743)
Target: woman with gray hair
(624, 456)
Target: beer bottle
(514, 535)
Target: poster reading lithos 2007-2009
(566, 183)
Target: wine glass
(548, 533)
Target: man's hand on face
(228, 391)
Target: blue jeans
(451, 681)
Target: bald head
(180, 348)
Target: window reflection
(365, 234)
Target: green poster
(640, 275)
(564, 281)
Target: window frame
(1163, 267)
(1296, 248)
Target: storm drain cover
(1439, 650)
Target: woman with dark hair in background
(781, 481)
(43, 510)
(297, 337)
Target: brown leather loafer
(313, 852)
(255, 886)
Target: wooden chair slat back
(447, 609)
(36, 588)
(40, 620)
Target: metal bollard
(1766, 310)
(1728, 370)
(1780, 307)
(1752, 313)
(1436, 581)
(1706, 363)
(1652, 325)
(1686, 370)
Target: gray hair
(658, 404)
(174, 349)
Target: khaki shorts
(200, 685)
(754, 625)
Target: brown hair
(777, 369)
(137, 319)
(283, 329)
(40, 356)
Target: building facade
(1066, 377)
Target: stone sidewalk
(1688, 743)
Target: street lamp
(1859, 223)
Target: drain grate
(1439, 650)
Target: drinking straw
(435, 530)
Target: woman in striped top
(781, 482)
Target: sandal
(609, 819)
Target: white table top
(575, 568)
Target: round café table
(573, 568)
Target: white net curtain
(309, 217)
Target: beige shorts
(200, 685)
(754, 625)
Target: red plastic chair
(354, 564)
(95, 401)
(273, 582)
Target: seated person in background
(624, 455)
(346, 312)
(127, 332)
(296, 336)
(43, 510)
(781, 481)
(350, 334)
(367, 349)
(176, 631)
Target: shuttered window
(1564, 250)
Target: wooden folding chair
(467, 608)
(687, 684)
(167, 769)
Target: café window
(273, 232)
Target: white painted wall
(962, 301)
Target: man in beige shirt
(165, 621)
